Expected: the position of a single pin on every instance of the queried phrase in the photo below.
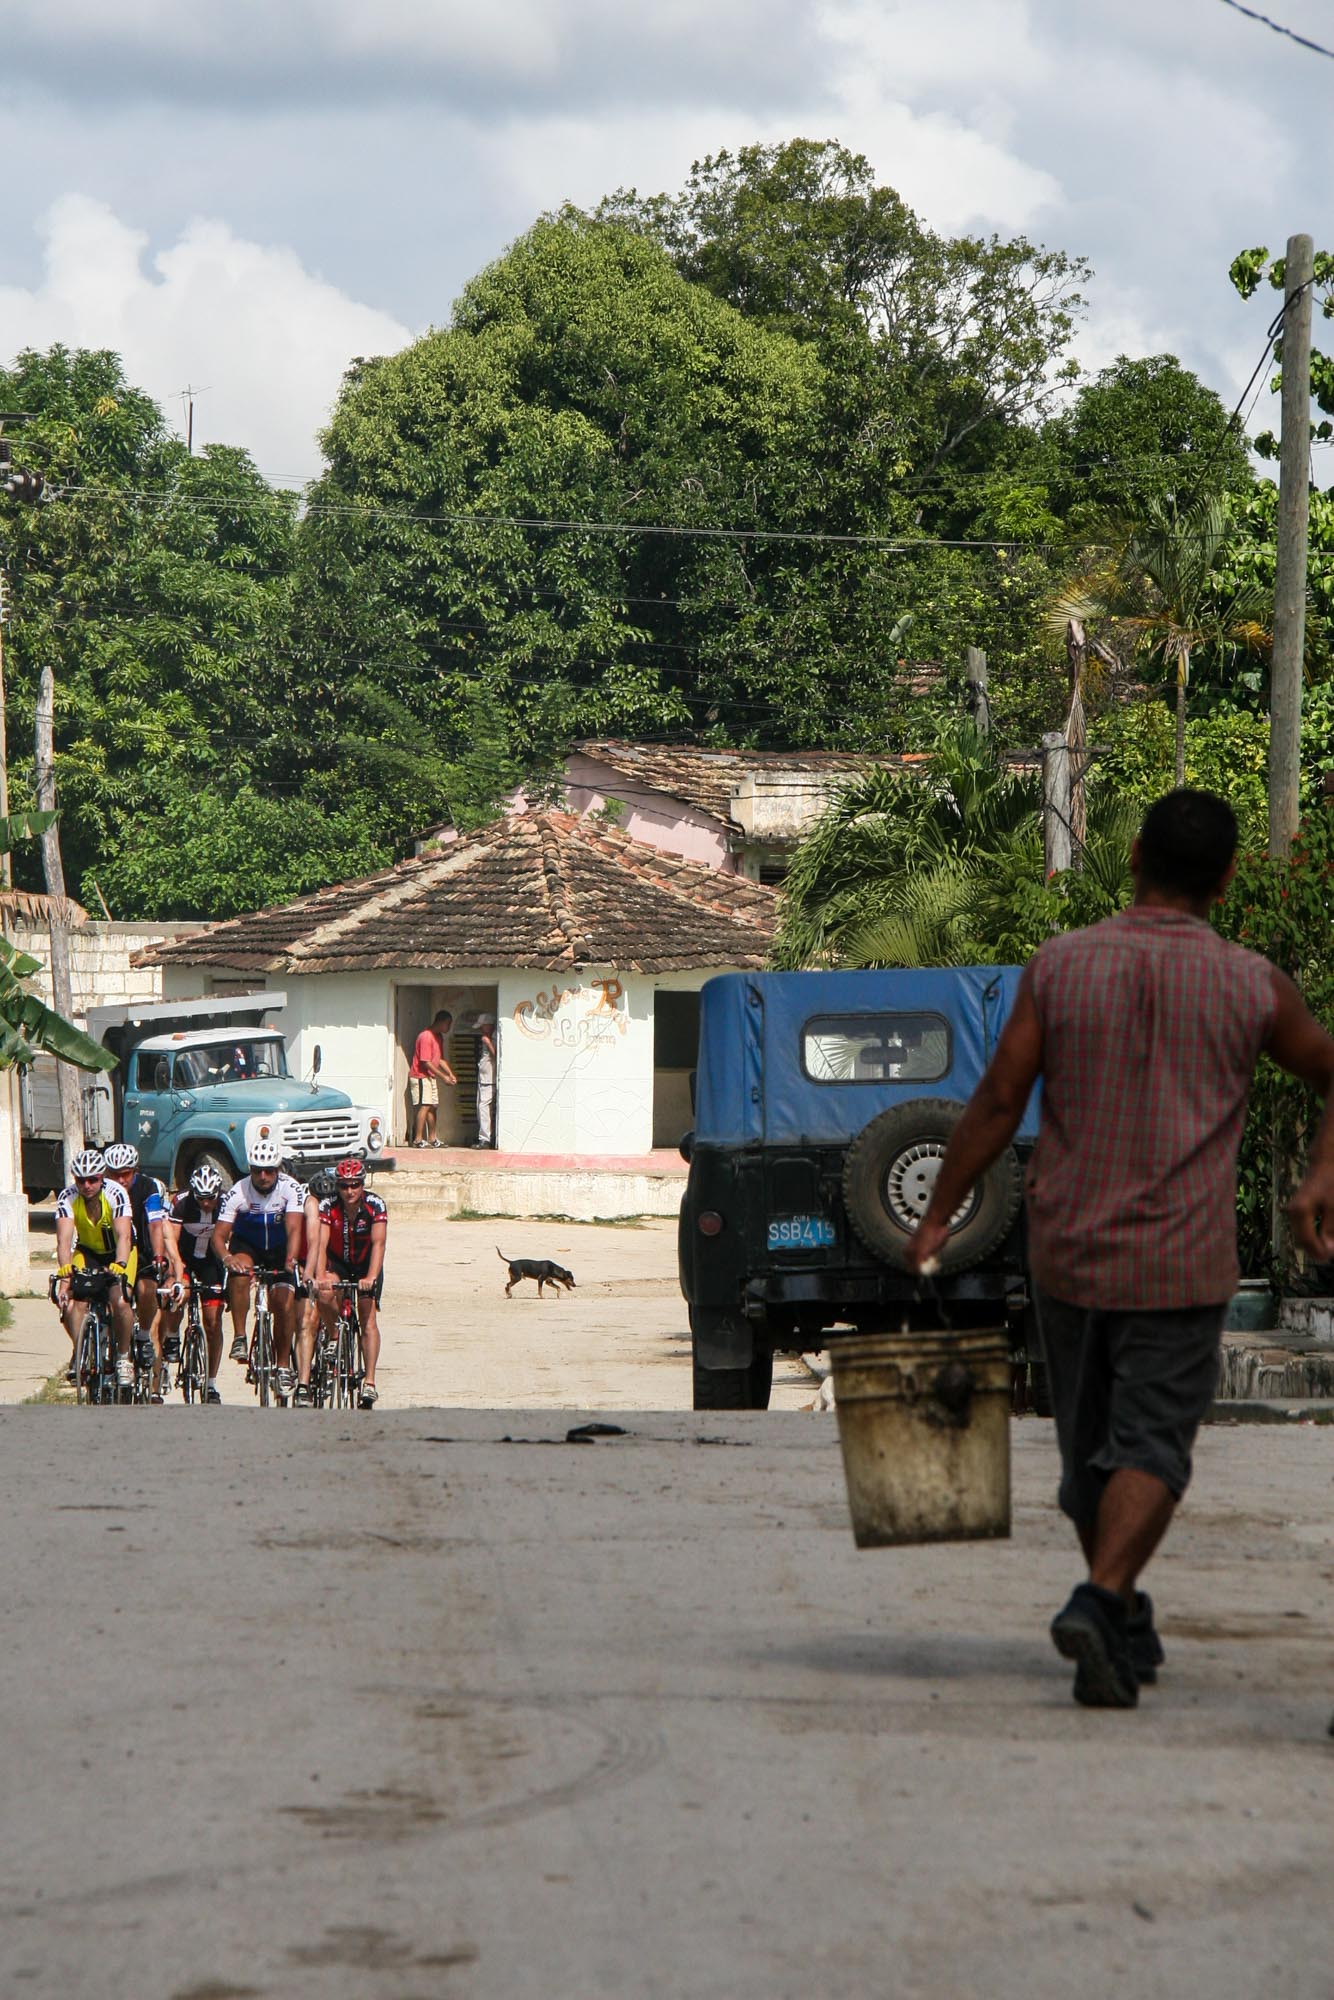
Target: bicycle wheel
(194, 1358)
(87, 1368)
(263, 1357)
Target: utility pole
(1056, 847)
(53, 868)
(6, 865)
(1294, 481)
(975, 688)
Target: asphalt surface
(392, 1707)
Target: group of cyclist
(305, 1238)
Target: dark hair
(1187, 842)
(442, 1014)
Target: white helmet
(87, 1164)
(206, 1182)
(120, 1156)
(263, 1153)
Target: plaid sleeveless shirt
(1151, 1028)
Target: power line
(1304, 41)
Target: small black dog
(540, 1268)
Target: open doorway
(415, 1007)
(675, 1052)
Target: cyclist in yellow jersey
(94, 1232)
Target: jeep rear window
(876, 1048)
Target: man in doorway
(427, 1071)
(1145, 1030)
(486, 1082)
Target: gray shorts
(1128, 1390)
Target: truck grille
(320, 1132)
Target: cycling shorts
(91, 1260)
(271, 1257)
(207, 1272)
(339, 1268)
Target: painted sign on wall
(596, 1016)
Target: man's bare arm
(1298, 1044)
(991, 1118)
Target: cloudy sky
(243, 194)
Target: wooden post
(975, 677)
(1294, 480)
(53, 868)
(1076, 649)
(1056, 847)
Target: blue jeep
(823, 1104)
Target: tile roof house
(585, 946)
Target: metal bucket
(924, 1422)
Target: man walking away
(1145, 1030)
(426, 1072)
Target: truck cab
(823, 1105)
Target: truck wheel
(215, 1157)
(891, 1169)
(735, 1388)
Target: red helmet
(351, 1173)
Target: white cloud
(267, 339)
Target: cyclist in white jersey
(259, 1228)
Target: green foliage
(1284, 910)
(945, 867)
(1227, 753)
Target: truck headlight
(374, 1139)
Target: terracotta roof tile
(542, 890)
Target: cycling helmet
(351, 1173)
(323, 1184)
(87, 1164)
(120, 1157)
(263, 1153)
(206, 1183)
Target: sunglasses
(89, 1180)
(263, 1173)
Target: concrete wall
(100, 968)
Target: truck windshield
(230, 1062)
(876, 1048)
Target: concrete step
(458, 1181)
(1274, 1367)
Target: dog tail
(501, 1254)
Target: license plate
(800, 1232)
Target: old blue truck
(195, 1082)
(823, 1105)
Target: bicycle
(262, 1369)
(192, 1369)
(345, 1361)
(95, 1364)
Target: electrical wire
(1304, 41)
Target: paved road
(619, 1341)
(393, 1708)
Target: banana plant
(28, 1027)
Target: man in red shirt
(426, 1072)
(1145, 1030)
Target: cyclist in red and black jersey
(353, 1226)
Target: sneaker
(238, 1349)
(368, 1396)
(301, 1396)
(72, 1374)
(212, 1396)
(1091, 1630)
(283, 1381)
(124, 1371)
(143, 1351)
(1146, 1648)
(171, 1348)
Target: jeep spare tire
(890, 1172)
